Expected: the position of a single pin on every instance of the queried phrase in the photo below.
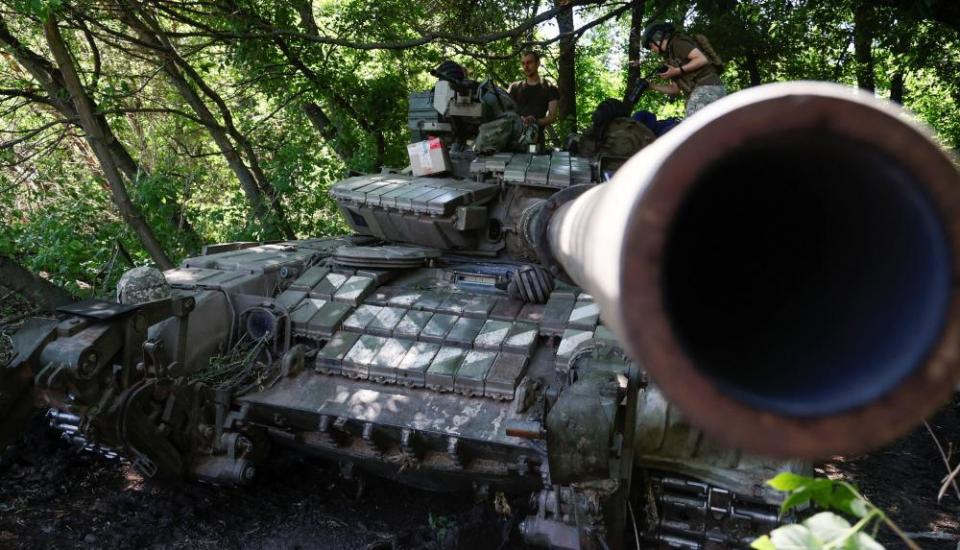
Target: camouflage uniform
(701, 96)
(702, 86)
(142, 284)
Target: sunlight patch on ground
(134, 481)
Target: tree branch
(425, 38)
(26, 94)
(95, 51)
(33, 132)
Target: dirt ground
(904, 479)
(55, 496)
(52, 496)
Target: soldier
(537, 99)
(693, 68)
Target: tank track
(693, 515)
(69, 427)
(680, 512)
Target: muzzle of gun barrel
(783, 265)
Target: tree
(98, 135)
(566, 67)
(237, 116)
(634, 47)
(38, 290)
(863, 35)
(251, 177)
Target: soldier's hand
(671, 72)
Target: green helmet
(657, 32)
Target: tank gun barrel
(783, 266)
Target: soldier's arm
(552, 108)
(697, 60)
(512, 90)
(669, 89)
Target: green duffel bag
(624, 137)
(499, 134)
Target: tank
(770, 282)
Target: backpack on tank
(704, 45)
(499, 134)
(613, 133)
(624, 137)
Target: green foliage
(595, 82)
(259, 57)
(69, 242)
(826, 493)
(825, 530)
(39, 8)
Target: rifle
(641, 86)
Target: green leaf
(848, 501)
(763, 543)
(796, 498)
(788, 481)
(862, 541)
(827, 526)
(859, 508)
(855, 506)
(822, 492)
(794, 537)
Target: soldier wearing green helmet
(692, 66)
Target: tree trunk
(98, 140)
(38, 290)
(252, 179)
(900, 50)
(566, 71)
(897, 85)
(307, 22)
(253, 160)
(318, 118)
(634, 47)
(863, 32)
(339, 101)
(753, 68)
(248, 182)
(52, 81)
(135, 174)
(326, 128)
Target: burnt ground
(55, 496)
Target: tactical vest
(688, 81)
